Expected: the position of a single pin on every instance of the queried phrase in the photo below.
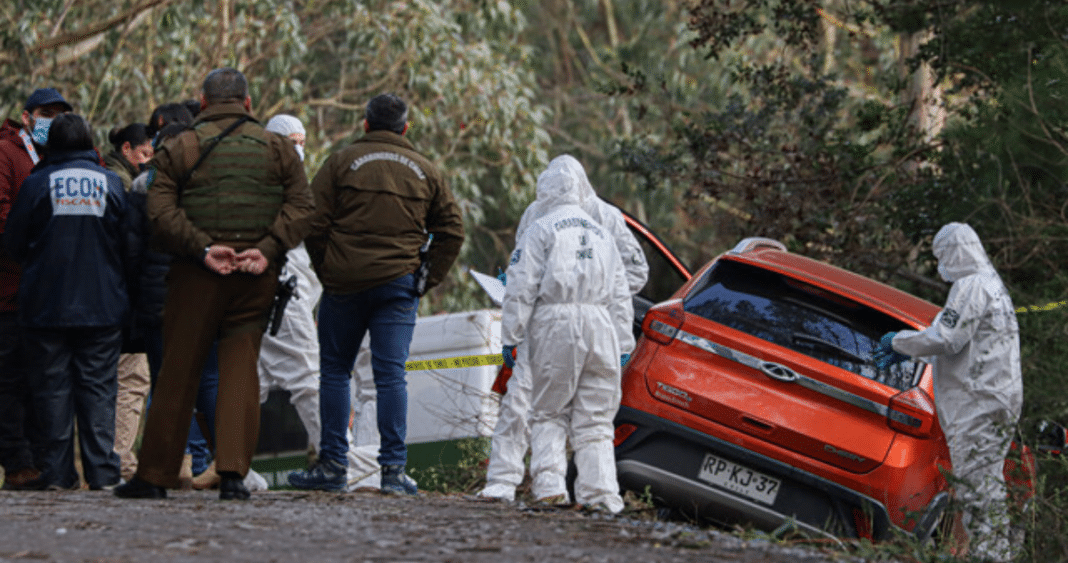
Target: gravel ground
(283, 526)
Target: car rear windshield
(796, 315)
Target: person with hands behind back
(227, 200)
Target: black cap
(45, 96)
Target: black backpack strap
(212, 142)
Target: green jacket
(118, 164)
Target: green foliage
(475, 108)
(467, 475)
(781, 156)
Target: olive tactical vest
(231, 196)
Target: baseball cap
(45, 96)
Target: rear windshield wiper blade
(802, 338)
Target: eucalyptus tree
(475, 106)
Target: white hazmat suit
(511, 435)
(975, 341)
(567, 300)
(289, 360)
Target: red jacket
(15, 166)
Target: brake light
(623, 431)
(912, 412)
(663, 321)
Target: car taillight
(912, 411)
(663, 322)
(623, 431)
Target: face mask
(40, 130)
(300, 152)
(943, 272)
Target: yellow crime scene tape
(455, 362)
(1041, 308)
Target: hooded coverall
(568, 301)
(975, 341)
(511, 435)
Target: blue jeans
(74, 374)
(388, 312)
(207, 395)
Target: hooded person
(290, 359)
(975, 345)
(567, 301)
(289, 127)
(511, 434)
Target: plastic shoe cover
(327, 475)
(255, 482)
(499, 491)
(396, 482)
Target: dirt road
(285, 526)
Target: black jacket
(69, 230)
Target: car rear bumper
(666, 457)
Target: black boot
(139, 488)
(232, 486)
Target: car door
(667, 272)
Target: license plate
(739, 479)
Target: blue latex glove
(624, 359)
(884, 355)
(509, 361)
(502, 276)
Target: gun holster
(286, 290)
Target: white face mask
(41, 125)
(300, 151)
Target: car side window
(801, 317)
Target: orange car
(752, 398)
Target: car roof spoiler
(753, 243)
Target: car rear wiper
(800, 337)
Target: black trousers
(16, 434)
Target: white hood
(561, 184)
(959, 252)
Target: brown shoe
(209, 479)
(185, 473)
(25, 479)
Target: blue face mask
(40, 130)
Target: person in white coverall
(289, 360)
(511, 435)
(567, 301)
(975, 344)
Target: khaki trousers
(202, 307)
(130, 404)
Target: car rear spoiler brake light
(663, 321)
(912, 412)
